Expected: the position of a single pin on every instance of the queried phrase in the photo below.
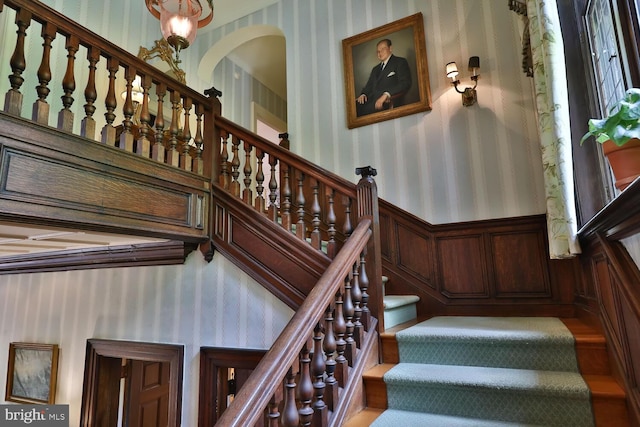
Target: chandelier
(180, 20)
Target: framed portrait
(385, 72)
(32, 373)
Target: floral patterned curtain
(552, 106)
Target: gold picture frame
(32, 373)
(359, 51)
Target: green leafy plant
(622, 124)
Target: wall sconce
(469, 95)
(180, 20)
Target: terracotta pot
(624, 160)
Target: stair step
(395, 418)
(608, 398)
(399, 309)
(591, 348)
(520, 343)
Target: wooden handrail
(249, 404)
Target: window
(606, 56)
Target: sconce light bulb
(451, 70)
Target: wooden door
(147, 394)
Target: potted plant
(620, 135)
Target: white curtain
(552, 106)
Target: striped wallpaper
(453, 163)
(195, 304)
(450, 164)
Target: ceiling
(262, 58)
(21, 239)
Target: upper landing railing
(172, 124)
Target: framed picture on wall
(32, 373)
(385, 72)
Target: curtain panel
(543, 37)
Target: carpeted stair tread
(520, 370)
(521, 342)
(395, 418)
(555, 383)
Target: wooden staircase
(608, 398)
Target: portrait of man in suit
(388, 81)
(392, 83)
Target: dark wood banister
(111, 53)
(249, 404)
(297, 162)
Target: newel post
(211, 159)
(367, 193)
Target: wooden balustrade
(185, 142)
(313, 363)
(310, 202)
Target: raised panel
(631, 328)
(518, 264)
(44, 181)
(460, 262)
(414, 253)
(385, 237)
(606, 293)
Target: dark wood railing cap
(366, 171)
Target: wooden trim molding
(101, 351)
(161, 253)
(212, 360)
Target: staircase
(478, 393)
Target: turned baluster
(305, 388)
(65, 116)
(235, 166)
(158, 151)
(329, 347)
(41, 107)
(224, 160)
(331, 221)
(364, 285)
(356, 297)
(88, 124)
(286, 197)
(198, 163)
(340, 328)
(173, 157)
(290, 416)
(300, 227)
(318, 367)
(143, 145)
(348, 309)
(259, 202)
(13, 98)
(274, 414)
(273, 189)
(186, 160)
(246, 193)
(110, 103)
(316, 240)
(126, 137)
(347, 227)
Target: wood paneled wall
(610, 287)
(496, 266)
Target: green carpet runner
(486, 371)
